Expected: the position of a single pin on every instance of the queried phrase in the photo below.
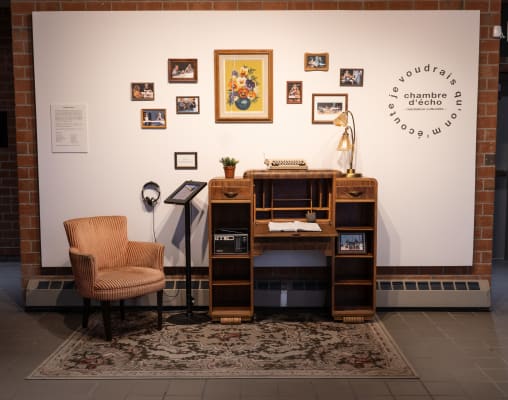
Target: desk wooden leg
(231, 320)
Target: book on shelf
(294, 226)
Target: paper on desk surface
(293, 226)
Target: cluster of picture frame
(243, 91)
(179, 71)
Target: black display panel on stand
(185, 192)
(183, 196)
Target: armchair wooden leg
(106, 319)
(122, 310)
(159, 309)
(86, 312)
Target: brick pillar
(9, 226)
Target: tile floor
(457, 355)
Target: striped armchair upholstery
(108, 267)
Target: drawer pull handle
(355, 193)
(230, 195)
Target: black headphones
(153, 187)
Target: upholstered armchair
(108, 267)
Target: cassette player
(231, 241)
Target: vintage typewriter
(286, 164)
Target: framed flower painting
(243, 86)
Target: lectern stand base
(188, 319)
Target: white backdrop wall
(423, 155)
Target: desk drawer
(230, 189)
(364, 190)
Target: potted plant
(229, 164)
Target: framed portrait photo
(243, 86)
(187, 104)
(351, 243)
(351, 77)
(182, 70)
(186, 160)
(327, 107)
(153, 118)
(294, 92)
(142, 91)
(316, 62)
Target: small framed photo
(351, 77)
(351, 243)
(153, 118)
(142, 91)
(327, 107)
(187, 104)
(316, 62)
(182, 70)
(186, 160)
(294, 90)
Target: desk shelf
(354, 275)
(230, 272)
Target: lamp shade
(341, 119)
(345, 143)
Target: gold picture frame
(316, 62)
(153, 118)
(243, 86)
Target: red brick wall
(9, 227)
(25, 107)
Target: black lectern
(183, 196)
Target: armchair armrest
(145, 254)
(84, 270)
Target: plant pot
(229, 172)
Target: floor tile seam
(395, 395)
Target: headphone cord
(153, 224)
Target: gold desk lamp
(347, 141)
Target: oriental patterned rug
(275, 347)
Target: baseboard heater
(390, 294)
(433, 294)
(62, 293)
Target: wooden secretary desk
(238, 216)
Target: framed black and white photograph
(294, 91)
(327, 107)
(351, 77)
(182, 70)
(351, 243)
(153, 118)
(142, 91)
(186, 160)
(187, 104)
(316, 62)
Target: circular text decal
(425, 101)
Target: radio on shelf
(231, 241)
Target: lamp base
(351, 173)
